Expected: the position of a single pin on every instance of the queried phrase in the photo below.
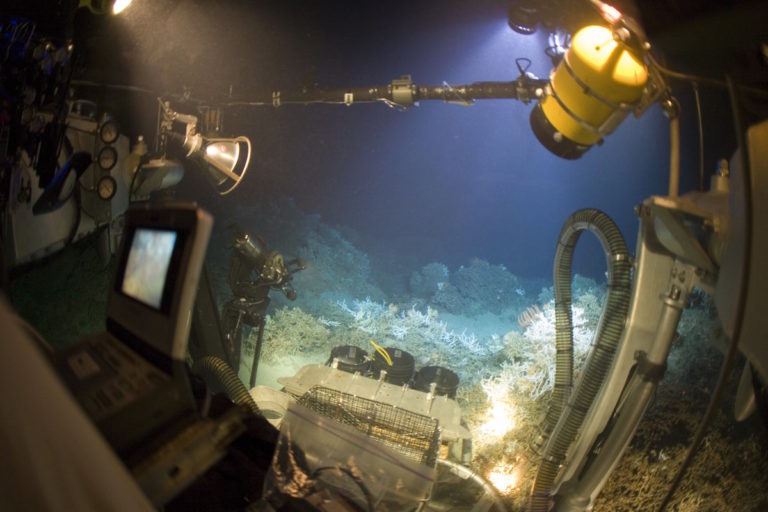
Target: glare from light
(492, 44)
(500, 416)
(610, 13)
(500, 420)
(120, 5)
(504, 477)
(223, 155)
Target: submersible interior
(498, 255)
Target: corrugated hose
(573, 409)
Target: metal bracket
(402, 91)
(651, 372)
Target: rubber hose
(216, 368)
(609, 331)
(464, 473)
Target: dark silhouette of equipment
(254, 270)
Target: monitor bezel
(165, 330)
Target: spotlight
(524, 16)
(598, 82)
(226, 160)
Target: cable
(119, 87)
(133, 182)
(464, 472)
(703, 80)
(78, 217)
(355, 478)
(741, 300)
(701, 136)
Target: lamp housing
(598, 82)
(224, 159)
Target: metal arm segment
(403, 92)
(670, 262)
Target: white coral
(531, 371)
(399, 331)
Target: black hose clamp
(651, 372)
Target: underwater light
(598, 82)
(504, 477)
(120, 5)
(224, 159)
(500, 415)
(524, 16)
(105, 6)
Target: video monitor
(158, 269)
(146, 269)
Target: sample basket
(413, 435)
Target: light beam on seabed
(500, 419)
(504, 477)
(501, 414)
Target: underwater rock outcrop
(474, 289)
(429, 280)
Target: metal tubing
(576, 498)
(257, 352)
(674, 156)
(523, 89)
(575, 495)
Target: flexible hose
(464, 473)
(607, 338)
(213, 367)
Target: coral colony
(495, 330)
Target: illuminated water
(431, 230)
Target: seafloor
(493, 328)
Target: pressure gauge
(106, 187)
(109, 132)
(107, 157)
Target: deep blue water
(443, 182)
(438, 182)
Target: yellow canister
(593, 86)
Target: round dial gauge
(107, 157)
(106, 187)
(109, 132)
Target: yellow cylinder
(591, 89)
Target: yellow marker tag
(381, 350)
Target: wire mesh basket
(413, 435)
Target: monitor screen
(146, 269)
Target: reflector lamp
(225, 160)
